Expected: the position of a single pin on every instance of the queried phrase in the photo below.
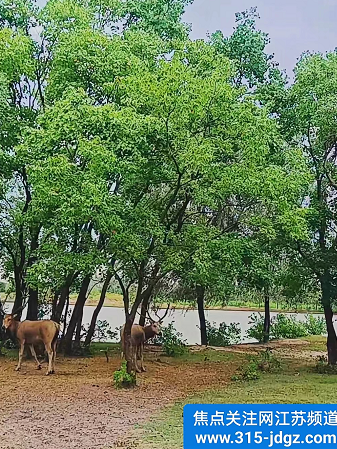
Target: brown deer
(139, 335)
(31, 333)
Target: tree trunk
(18, 290)
(78, 310)
(62, 298)
(127, 346)
(55, 302)
(328, 313)
(57, 314)
(99, 306)
(143, 310)
(129, 320)
(61, 344)
(201, 311)
(33, 304)
(65, 318)
(77, 340)
(266, 324)
(332, 339)
(33, 297)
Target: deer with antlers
(140, 335)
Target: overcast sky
(294, 26)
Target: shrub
(322, 366)
(256, 331)
(171, 341)
(123, 379)
(224, 335)
(102, 333)
(287, 327)
(249, 371)
(283, 326)
(315, 325)
(44, 311)
(265, 361)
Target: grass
(317, 342)
(11, 354)
(167, 430)
(99, 349)
(297, 383)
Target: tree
(219, 266)
(246, 48)
(307, 113)
(76, 46)
(264, 262)
(135, 146)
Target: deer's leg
(54, 344)
(122, 347)
(135, 352)
(21, 350)
(32, 350)
(142, 357)
(50, 358)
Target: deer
(140, 335)
(31, 333)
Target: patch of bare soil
(292, 349)
(79, 408)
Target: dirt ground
(79, 408)
(287, 349)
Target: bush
(315, 325)
(322, 366)
(44, 311)
(287, 327)
(249, 371)
(265, 361)
(256, 331)
(171, 341)
(283, 326)
(224, 335)
(102, 333)
(123, 379)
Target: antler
(149, 316)
(19, 309)
(160, 320)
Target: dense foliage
(129, 153)
(285, 326)
(224, 334)
(171, 341)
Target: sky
(293, 26)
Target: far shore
(116, 300)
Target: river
(184, 321)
